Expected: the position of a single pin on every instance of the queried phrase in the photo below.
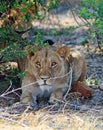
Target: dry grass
(49, 119)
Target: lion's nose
(44, 77)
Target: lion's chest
(46, 90)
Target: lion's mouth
(44, 83)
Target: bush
(15, 19)
(93, 9)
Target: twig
(8, 97)
(69, 4)
(14, 90)
(70, 81)
(9, 87)
(9, 119)
(76, 106)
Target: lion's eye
(37, 64)
(53, 64)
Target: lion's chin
(45, 84)
(46, 87)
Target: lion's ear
(64, 52)
(31, 50)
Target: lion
(51, 72)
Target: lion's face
(47, 65)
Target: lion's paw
(54, 100)
(25, 100)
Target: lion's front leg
(25, 97)
(30, 90)
(57, 95)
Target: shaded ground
(76, 112)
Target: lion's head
(48, 64)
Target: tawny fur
(47, 73)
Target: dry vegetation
(50, 119)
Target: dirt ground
(74, 114)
